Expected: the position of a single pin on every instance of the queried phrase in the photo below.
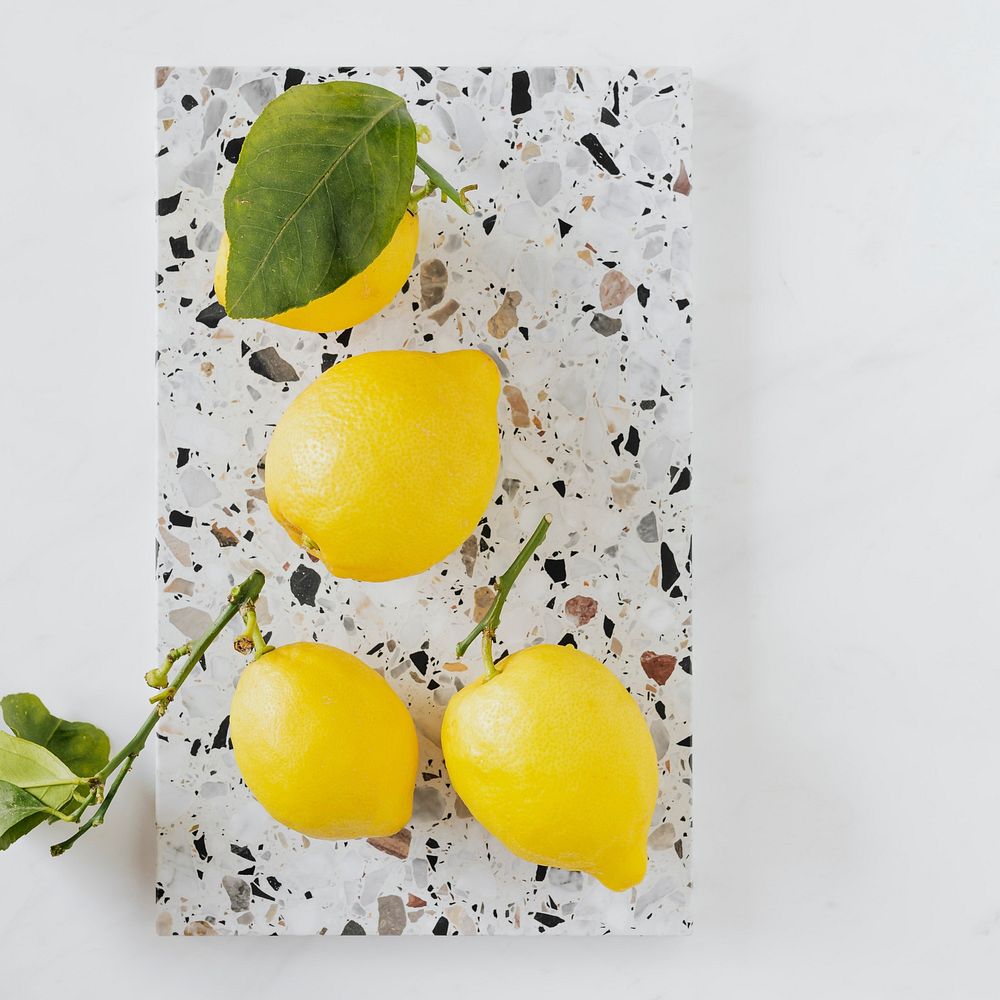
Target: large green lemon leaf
(36, 770)
(20, 813)
(84, 748)
(322, 182)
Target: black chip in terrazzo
(683, 481)
(258, 891)
(669, 573)
(222, 735)
(592, 144)
(179, 248)
(199, 846)
(520, 93)
(293, 77)
(556, 568)
(164, 206)
(232, 149)
(305, 584)
(632, 443)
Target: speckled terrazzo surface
(575, 276)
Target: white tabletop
(847, 803)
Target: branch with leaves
(56, 771)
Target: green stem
(489, 623)
(157, 678)
(252, 632)
(438, 180)
(248, 591)
(97, 817)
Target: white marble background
(847, 494)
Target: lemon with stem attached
(552, 755)
(323, 742)
(359, 298)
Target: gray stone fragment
(220, 78)
(605, 325)
(543, 181)
(391, 915)
(215, 111)
(269, 363)
(208, 238)
(663, 837)
(433, 282)
(257, 93)
(428, 804)
(648, 530)
(661, 738)
(543, 80)
(352, 928)
(191, 622)
(200, 172)
(239, 892)
(197, 488)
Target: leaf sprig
(54, 770)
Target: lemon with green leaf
(359, 298)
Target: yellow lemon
(354, 301)
(385, 464)
(324, 743)
(553, 756)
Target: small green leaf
(84, 748)
(20, 813)
(34, 769)
(323, 179)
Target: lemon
(324, 743)
(553, 756)
(354, 301)
(386, 463)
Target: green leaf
(323, 179)
(84, 748)
(20, 813)
(34, 769)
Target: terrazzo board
(574, 276)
